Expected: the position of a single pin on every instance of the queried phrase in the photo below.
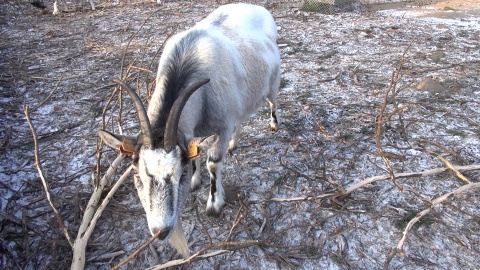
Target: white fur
(178, 240)
(159, 164)
(216, 205)
(232, 145)
(235, 47)
(196, 177)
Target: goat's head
(159, 163)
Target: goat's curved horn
(170, 135)
(145, 130)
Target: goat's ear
(126, 144)
(200, 144)
(205, 143)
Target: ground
(359, 91)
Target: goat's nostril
(162, 233)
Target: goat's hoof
(195, 183)
(194, 187)
(274, 127)
(213, 212)
(232, 145)
(230, 150)
(215, 208)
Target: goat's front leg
(216, 197)
(196, 177)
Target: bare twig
(330, 79)
(296, 172)
(42, 177)
(200, 255)
(140, 68)
(325, 133)
(435, 202)
(238, 218)
(449, 165)
(130, 41)
(188, 261)
(396, 76)
(301, 198)
(49, 95)
(203, 226)
(100, 142)
(134, 254)
(443, 148)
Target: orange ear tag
(127, 147)
(193, 151)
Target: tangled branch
(397, 75)
(93, 212)
(435, 202)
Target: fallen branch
(435, 202)
(330, 79)
(49, 95)
(201, 255)
(134, 254)
(93, 211)
(241, 214)
(42, 177)
(367, 181)
(187, 261)
(449, 165)
(443, 148)
(203, 226)
(406, 175)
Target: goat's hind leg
(274, 119)
(233, 144)
(272, 100)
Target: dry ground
(337, 71)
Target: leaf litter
(336, 71)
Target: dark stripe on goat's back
(179, 72)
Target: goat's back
(241, 19)
(235, 47)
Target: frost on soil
(336, 71)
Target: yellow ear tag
(193, 151)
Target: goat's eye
(184, 176)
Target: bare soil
(337, 72)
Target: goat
(210, 78)
(78, 4)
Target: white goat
(56, 10)
(220, 71)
